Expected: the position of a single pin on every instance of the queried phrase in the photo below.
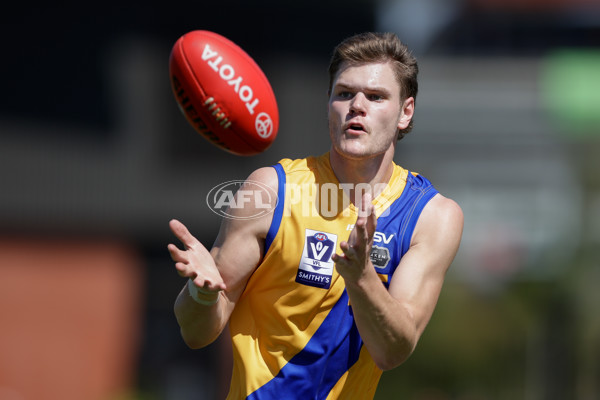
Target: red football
(223, 93)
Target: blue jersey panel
(396, 225)
(315, 370)
(278, 208)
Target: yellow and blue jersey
(293, 331)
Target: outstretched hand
(355, 257)
(195, 262)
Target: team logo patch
(316, 266)
(380, 257)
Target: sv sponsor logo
(380, 237)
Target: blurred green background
(95, 158)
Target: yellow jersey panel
(293, 330)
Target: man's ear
(408, 109)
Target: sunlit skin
(365, 114)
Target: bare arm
(222, 273)
(391, 322)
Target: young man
(334, 285)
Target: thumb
(182, 233)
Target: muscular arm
(391, 322)
(222, 272)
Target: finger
(207, 284)
(348, 250)
(339, 258)
(184, 270)
(359, 237)
(369, 221)
(177, 254)
(361, 229)
(366, 205)
(365, 211)
(345, 246)
(182, 233)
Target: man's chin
(352, 151)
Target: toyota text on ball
(245, 92)
(227, 73)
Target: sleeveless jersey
(293, 332)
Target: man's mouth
(355, 128)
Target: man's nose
(358, 104)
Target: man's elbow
(396, 355)
(194, 341)
(390, 361)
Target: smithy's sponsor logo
(316, 266)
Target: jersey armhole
(426, 194)
(278, 212)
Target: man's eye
(345, 95)
(375, 97)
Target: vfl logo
(320, 248)
(316, 266)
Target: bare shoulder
(444, 208)
(266, 176)
(420, 275)
(251, 212)
(441, 220)
(239, 246)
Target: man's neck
(374, 171)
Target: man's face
(365, 111)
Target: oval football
(223, 93)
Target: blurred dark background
(95, 159)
